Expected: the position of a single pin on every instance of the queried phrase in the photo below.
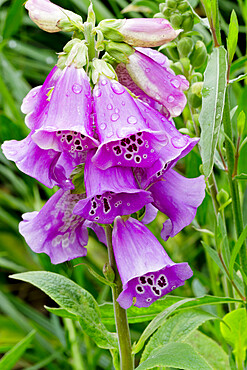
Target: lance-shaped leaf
(74, 299)
(213, 98)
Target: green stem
(126, 359)
(90, 39)
(233, 184)
(75, 349)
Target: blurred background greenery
(27, 54)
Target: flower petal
(178, 198)
(146, 271)
(55, 230)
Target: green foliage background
(27, 54)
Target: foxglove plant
(113, 128)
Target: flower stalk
(126, 358)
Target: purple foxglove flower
(146, 271)
(55, 230)
(110, 193)
(124, 135)
(147, 32)
(178, 198)
(50, 17)
(64, 123)
(148, 71)
(47, 166)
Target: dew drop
(115, 117)
(103, 82)
(179, 142)
(118, 89)
(175, 83)
(132, 120)
(77, 89)
(109, 106)
(170, 99)
(103, 126)
(97, 93)
(116, 110)
(147, 70)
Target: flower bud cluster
(103, 132)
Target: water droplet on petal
(175, 83)
(118, 88)
(132, 120)
(109, 106)
(97, 93)
(102, 126)
(170, 99)
(175, 111)
(179, 141)
(103, 82)
(116, 110)
(147, 70)
(114, 117)
(77, 89)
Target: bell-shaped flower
(64, 122)
(47, 166)
(146, 32)
(110, 193)
(51, 17)
(149, 71)
(146, 271)
(55, 230)
(178, 198)
(124, 135)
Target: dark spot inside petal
(156, 291)
(92, 212)
(134, 147)
(139, 134)
(59, 132)
(143, 280)
(106, 205)
(117, 150)
(150, 281)
(133, 137)
(137, 159)
(122, 142)
(69, 138)
(158, 173)
(79, 147)
(127, 140)
(77, 142)
(128, 156)
(130, 149)
(139, 289)
(83, 136)
(75, 132)
(98, 196)
(94, 204)
(139, 141)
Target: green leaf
(75, 300)
(236, 249)
(175, 355)
(156, 323)
(239, 78)
(209, 349)
(235, 333)
(8, 361)
(143, 314)
(213, 98)
(242, 176)
(232, 39)
(176, 329)
(13, 19)
(61, 312)
(77, 177)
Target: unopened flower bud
(159, 15)
(199, 54)
(185, 46)
(176, 20)
(119, 50)
(172, 52)
(167, 12)
(188, 22)
(183, 6)
(108, 272)
(222, 196)
(177, 68)
(101, 67)
(186, 63)
(136, 31)
(195, 95)
(76, 52)
(162, 7)
(50, 17)
(171, 3)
